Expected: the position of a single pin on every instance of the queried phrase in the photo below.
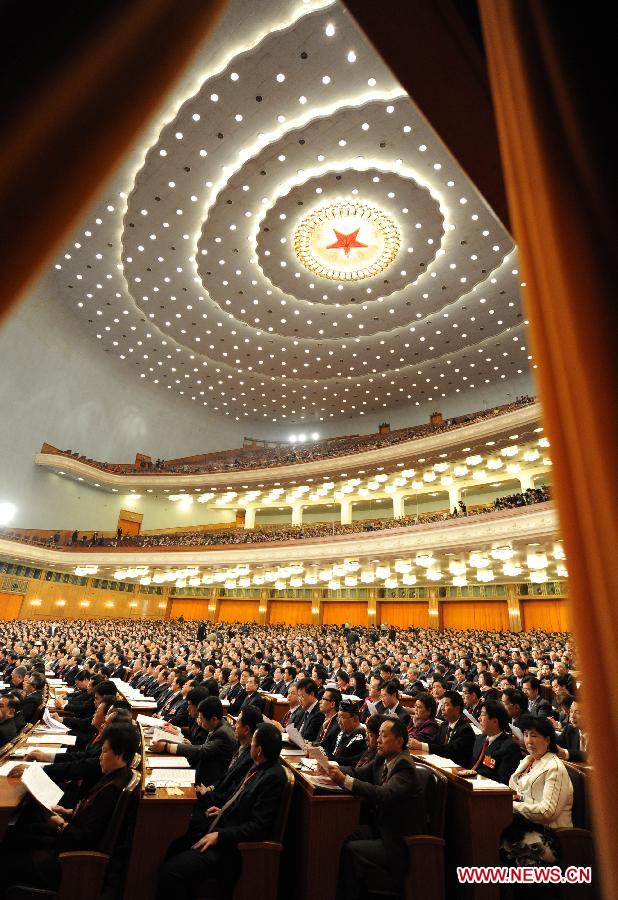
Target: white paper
(476, 728)
(8, 767)
(318, 754)
(172, 777)
(160, 735)
(150, 721)
(53, 724)
(65, 740)
(486, 784)
(290, 751)
(371, 707)
(517, 732)
(295, 736)
(41, 786)
(440, 762)
(167, 762)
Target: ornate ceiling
(297, 244)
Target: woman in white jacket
(543, 798)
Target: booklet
(41, 786)
(167, 762)
(318, 754)
(150, 721)
(172, 777)
(295, 736)
(66, 740)
(52, 724)
(160, 735)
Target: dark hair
(291, 671)
(472, 687)
(391, 687)
(251, 717)
(13, 703)
(117, 703)
(428, 702)
(123, 740)
(455, 698)
(398, 729)
(225, 674)
(349, 706)
(182, 680)
(542, 726)
(341, 673)
(386, 668)
(309, 686)
(83, 675)
(196, 695)
(496, 710)
(335, 696)
(120, 714)
(211, 707)
(211, 686)
(533, 681)
(517, 697)
(266, 666)
(37, 680)
(320, 672)
(106, 689)
(269, 739)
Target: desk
(318, 824)
(279, 707)
(475, 821)
(12, 792)
(160, 820)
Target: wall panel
(338, 612)
(10, 604)
(548, 615)
(403, 613)
(238, 611)
(53, 600)
(190, 607)
(487, 615)
(290, 612)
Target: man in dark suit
(472, 698)
(495, 754)
(201, 631)
(253, 698)
(573, 740)
(211, 758)
(375, 857)
(312, 718)
(351, 741)
(33, 689)
(236, 693)
(537, 705)
(81, 702)
(9, 707)
(391, 705)
(455, 738)
(248, 814)
(266, 679)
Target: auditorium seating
(576, 844)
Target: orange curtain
(290, 612)
(10, 604)
(102, 76)
(190, 608)
(338, 612)
(403, 614)
(547, 615)
(551, 68)
(486, 615)
(238, 611)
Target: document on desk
(476, 728)
(7, 767)
(52, 724)
(66, 740)
(150, 721)
(439, 761)
(172, 777)
(41, 786)
(291, 751)
(318, 754)
(167, 762)
(487, 784)
(295, 736)
(171, 738)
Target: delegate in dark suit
(310, 723)
(30, 706)
(570, 739)
(376, 856)
(499, 759)
(251, 817)
(211, 758)
(454, 742)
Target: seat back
(581, 809)
(284, 807)
(433, 786)
(128, 794)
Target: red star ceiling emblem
(345, 242)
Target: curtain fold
(486, 615)
(403, 614)
(548, 66)
(85, 79)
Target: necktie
(484, 749)
(384, 774)
(447, 734)
(229, 803)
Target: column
(297, 514)
(435, 610)
(526, 479)
(399, 507)
(372, 606)
(316, 606)
(346, 512)
(453, 497)
(514, 608)
(264, 606)
(250, 517)
(213, 604)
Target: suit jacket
(350, 747)
(396, 806)
(254, 699)
(310, 724)
(8, 730)
(328, 735)
(503, 756)
(90, 819)
(458, 746)
(80, 705)
(236, 771)
(540, 707)
(30, 705)
(236, 695)
(211, 758)
(253, 815)
(546, 792)
(400, 711)
(570, 739)
(267, 683)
